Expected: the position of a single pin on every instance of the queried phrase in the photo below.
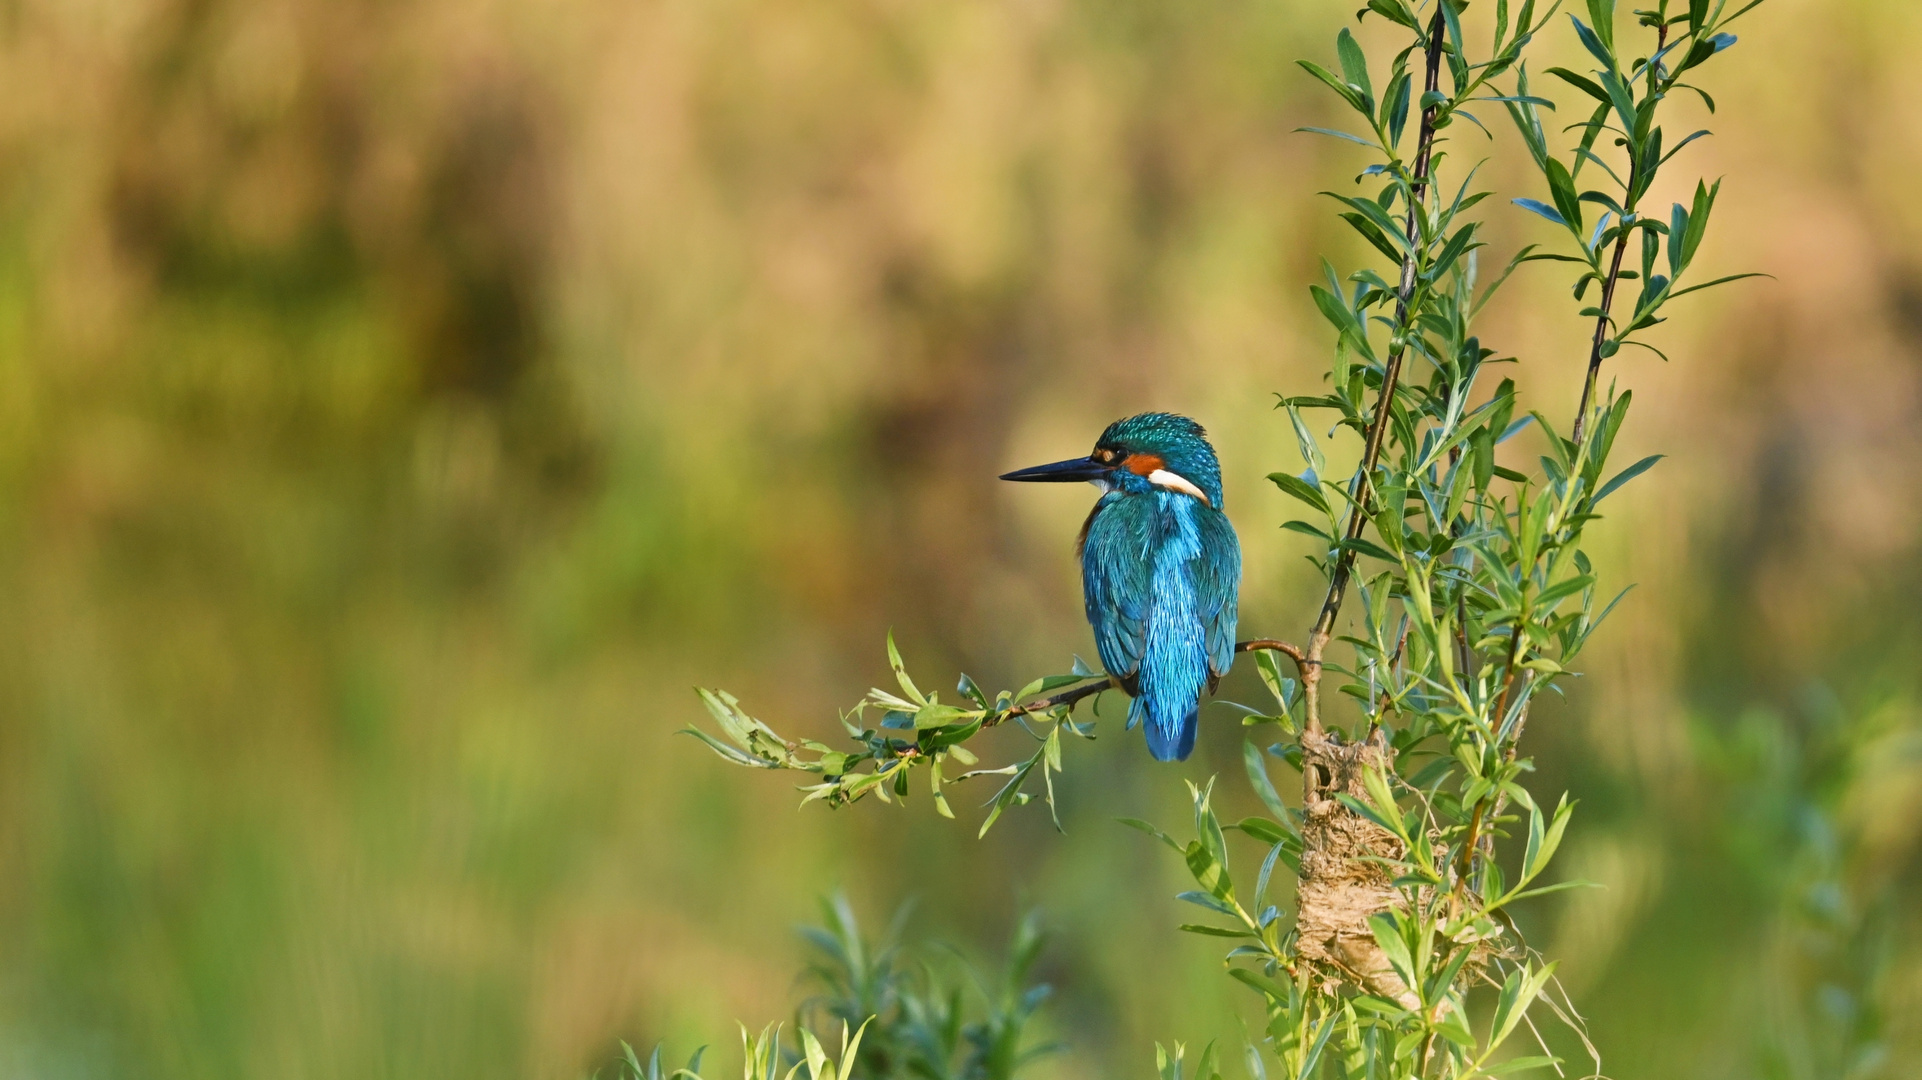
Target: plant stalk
(1318, 638)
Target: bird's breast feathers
(1162, 559)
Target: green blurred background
(403, 404)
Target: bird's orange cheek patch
(1143, 464)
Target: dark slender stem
(1041, 705)
(1614, 274)
(1465, 859)
(1324, 627)
(1601, 335)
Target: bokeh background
(403, 404)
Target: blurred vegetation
(404, 404)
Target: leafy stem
(1319, 636)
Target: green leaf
(1593, 44)
(1214, 931)
(901, 673)
(1603, 14)
(1258, 779)
(1370, 549)
(729, 753)
(1207, 900)
(1301, 489)
(1518, 993)
(1372, 233)
(1349, 95)
(1311, 1061)
(1375, 781)
(1625, 476)
(1387, 930)
(1369, 143)
(1262, 829)
(1562, 187)
(1521, 1064)
(1305, 441)
(1309, 530)
(1581, 82)
(1712, 284)
(1394, 11)
(1142, 826)
(1547, 599)
(1045, 684)
(1395, 108)
(1282, 687)
(1542, 208)
(1354, 65)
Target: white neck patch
(1162, 478)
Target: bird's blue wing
(1217, 571)
(1115, 566)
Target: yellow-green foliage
(402, 404)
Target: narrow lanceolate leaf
(1593, 43)
(1562, 187)
(1581, 82)
(1542, 208)
(1387, 931)
(1626, 475)
(1395, 10)
(1379, 793)
(1305, 441)
(1301, 489)
(1348, 94)
(1518, 993)
(1369, 143)
(1258, 779)
(901, 673)
(1602, 12)
(1354, 66)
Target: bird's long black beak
(1061, 472)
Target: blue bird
(1160, 568)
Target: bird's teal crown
(1180, 443)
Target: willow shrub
(1457, 585)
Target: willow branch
(1292, 652)
(1614, 275)
(1601, 334)
(1378, 427)
(1065, 697)
(1465, 861)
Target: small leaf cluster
(762, 1057)
(1439, 944)
(1628, 95)
(929, 1021)
(915, 730)
(902, 1015)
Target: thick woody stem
(1324, 627)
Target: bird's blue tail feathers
(1170, 720)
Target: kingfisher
(1160, 569)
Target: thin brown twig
(1614, 275)
(1601, 335)
(1292, 652)
(1465, 861)
(1324, 626)
(1041, 705)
